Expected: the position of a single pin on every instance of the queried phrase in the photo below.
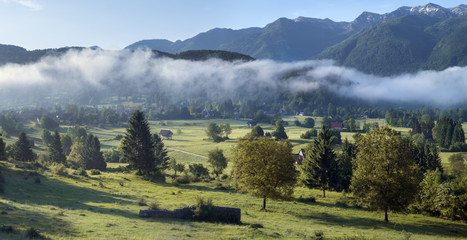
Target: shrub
(204, 210)
(142, 202)
(184, 179)
(95, 172)
(154, 205)
(7, 229)
(306, 200)
(198, 170)
(33, 233)
(59, 169)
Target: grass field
(106, 206)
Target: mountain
(294, 39)
(19, 55)
(407, 44)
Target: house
(251, 123)
(299, 157)
(166, 134)
(337, 125)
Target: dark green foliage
(22, 149)
(204, 210)
(54, 150)
(92, 154)
(319, 168)
(46, 137)
(279, 131)
(309, 134)
(199, 55)
(257, 131)
(33, 234)
(77, 133)
(426, 156)
(138, 147)
(309, 123)
(2, 149)
(48, 122)
(447, 132)
(416, 128)
(336, 136)
(344, 166)
(217, 161)
(297, 123)
(7, 229)
(160, 153)
(198, 170)
(66, 144)
(406, 44)
(112, 155)
(213, 131)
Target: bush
(142, 202)
(184, 179)
(154, 205)
(306, 200)
(198, 170)
(204, 210)
(7, 229)
(59, 169)
(95, 172)
(33, 233)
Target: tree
(458, 135)
(137, 145)
(213, 131)
(257, 131)
(46, 137)
(279, 132)
(160, 152)
(416, 128)
(76, 133)
(66, 144)
(93, 156)
(309, 123)
(48, 123)
(265, 168)
(226, 129)
(2, 149)
(457, 164)
(217, 160)
(76, 157)
(319, 167)
(198, 170)
(344, 166)
(55, 150)
(22, 149)
(385, 175)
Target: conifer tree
(160, 153)
(55, 150)
(319, 168)
(22, 149)
(458, 134)
(137, 145)
(92, 154)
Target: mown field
(106, 206)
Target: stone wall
(222, 214)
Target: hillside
(408, 44)
(301, 38)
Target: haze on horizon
(40, 24)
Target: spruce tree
(458, 134)
(319, 168)
(22, 149)
(137, 145)
(2, 149)
(93, 156)
(55, 150)
(160, 153)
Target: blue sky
(114, 24)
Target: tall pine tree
(55, 150)
(160, 153)
(22, 149)
(138, 146)
(319, 168)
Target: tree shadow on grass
(60, 194)
(425, 227)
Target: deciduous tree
(217, 160)
(385, 175)
(265, 168)
(279, 132)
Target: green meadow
(106, 206)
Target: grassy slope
(99, 207)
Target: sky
(115, 24)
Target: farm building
(166, 134)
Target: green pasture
(106, 206)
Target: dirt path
(194, 154)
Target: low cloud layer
(120, 71)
